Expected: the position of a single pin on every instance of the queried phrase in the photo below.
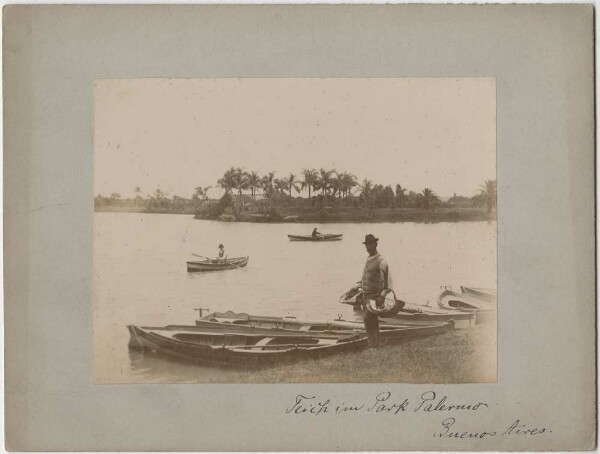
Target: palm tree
(347, 182)
(280, 185)
(240, 179)
(292, 183)
(267, 183)
(336, 184)
(310, 179)
(488, 194)
(351, 182)
(253, 182)
(430, 199)
(324, 180)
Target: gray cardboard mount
(542, 59)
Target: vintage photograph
(310, 230)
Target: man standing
(375, 278)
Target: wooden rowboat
(463, 303)
(415, 313)
(322, 237)
(224, 344)
(295, 324)
(485, 294)
(389, 330)
(217, 265)
(451, 300)
(219, 346)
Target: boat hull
(488, 295)
(415, 313)
(389, 329)
(320, 238)
(462, 303)
(248, 349)
(245, 346)
(292, 323)
(216, 265)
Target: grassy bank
(310, 215)
(459, 356)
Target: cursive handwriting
(382, 405)
(428, 404)
(449, 430)
(306, 404)
(521, 429)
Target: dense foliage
(323, 188)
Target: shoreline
(302, 215)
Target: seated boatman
(221, 253)
(375, 278)
(315, 233)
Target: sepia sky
(177, 134)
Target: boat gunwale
(321, 238)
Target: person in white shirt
(375, 278)
(221, 253)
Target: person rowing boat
(221, 257)
(315, 234)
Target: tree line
(325, 187)
(343, 188)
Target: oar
(208, 258)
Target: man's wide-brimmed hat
(220, 245)
(370, 239)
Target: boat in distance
(321, 237)
(232, 345)
(217, 265)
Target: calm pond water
(140, 277)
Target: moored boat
(295, 324)
(216, 345)
(217, 265)
(485, 294)
(320, 237)
(463, 303)
(226, 344)
(451, 300)
(414, 313)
